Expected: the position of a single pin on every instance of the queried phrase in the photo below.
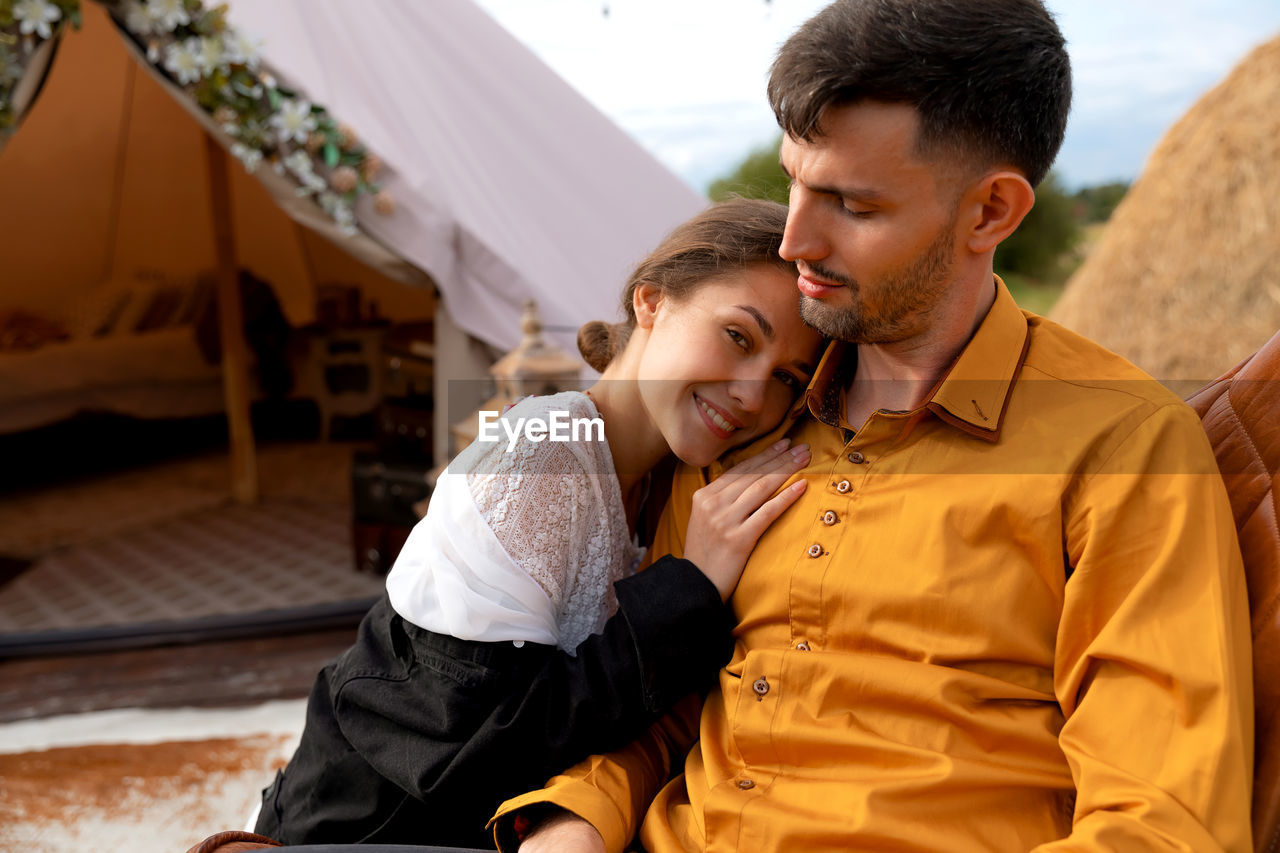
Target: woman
(516, 636)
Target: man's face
(871, 225)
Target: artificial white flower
(345, 218)
(183, 60)
(241, 48)
(137, 18)
(299, 163)
(211, 55)
(250, 157)
(294, 121)
(314, 183)
(329, 201)
(36, 16)
(168, 15)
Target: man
(1008, 613)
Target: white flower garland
(220, 68)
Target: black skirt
(413, 737)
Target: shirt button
(802, 646)
(761, 687)
(815, 550)
(746, 784)
(829, 518)
(843, 487)
(857, 458)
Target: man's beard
(906, 297)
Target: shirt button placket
(761, 687)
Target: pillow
(199, 298)
(21, 331)
(161, 309)
(98, 314)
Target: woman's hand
(730, 514)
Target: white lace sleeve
(530, 498)
(550, 506)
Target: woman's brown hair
(725, 238)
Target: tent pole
(235, 374)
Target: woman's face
(723, 364)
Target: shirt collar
(973, 394)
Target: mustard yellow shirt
(1014, 619)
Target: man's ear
(646, 300)
(999, 202)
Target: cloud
(686, 77)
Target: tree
(758, 176)
(1045, 236)
(1098, 202)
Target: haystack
(1185, 280)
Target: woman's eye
(738, 338)
(856, 212)
(789, 379)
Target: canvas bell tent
(414, 150)
(1184, 279)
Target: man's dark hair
(990, 79)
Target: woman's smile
(721, 423)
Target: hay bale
(1185, 280)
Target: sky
(686, 78)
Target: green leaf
(330, 155)
(274, 97)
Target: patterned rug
(223, 570)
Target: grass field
(1033, 295)
(1040, 295)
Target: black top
(414, 737)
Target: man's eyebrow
(859, 193)
(762, 321)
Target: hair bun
(597, 341)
